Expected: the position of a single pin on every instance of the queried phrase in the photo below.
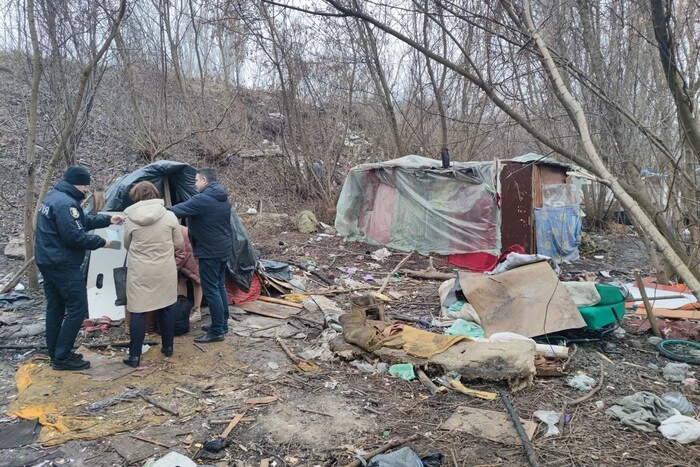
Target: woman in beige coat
(151, 234)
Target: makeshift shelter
(472, 211)
(175, 180)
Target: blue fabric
(66, 307)
(61, 228)
(558, 231)
(212, 273)
(208, 220)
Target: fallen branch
(159, 405)
(200, 347)
(531, 457)
(18, 275)
(398, 266)
(321, 276)
(380, 450)
(301, 409)
(647, 305)
(430, 275)
(566, 405)
(151, 441)
(429, 385)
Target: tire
(667, 348)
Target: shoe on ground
(69, 364)
(167, 351)
(73, 355)
(133, 362)
(207, 327)
(196, 315)
(207, 338)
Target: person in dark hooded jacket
(209, 222)
(59, 250)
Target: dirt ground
(327, 417)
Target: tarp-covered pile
(179, 180)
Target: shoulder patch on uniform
(74, 212)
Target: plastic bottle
(678, 401)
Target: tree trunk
(77, 103)
(29, 200)
(630, 205)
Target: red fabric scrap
(482, 262)
(238, 297)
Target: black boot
(133, 362)
(167, 351)
(207, 338)
(69, 364)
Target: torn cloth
(643, 410)
(372, 335)
(583, 293)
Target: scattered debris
(403, 371)
(380, 255)
(582, 382)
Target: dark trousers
(137, 329)
(66, 308)
(212, 273)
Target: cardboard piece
(488, 424)
(103, 367)
(528, 300)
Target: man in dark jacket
(209, 222)
(59, 244)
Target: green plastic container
(612, 302)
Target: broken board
(528, 300)
(270, 310)
(487, 424)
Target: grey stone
(15, 248)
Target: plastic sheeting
(243, 259)
(412, 203)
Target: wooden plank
(256, 311)
(674, 314)
(280, 302)
(232, 425)
(269, 310)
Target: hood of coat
(146, 212)
(216, 191)
(70, 190)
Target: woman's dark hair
(143, 191)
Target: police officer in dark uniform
(60, 243)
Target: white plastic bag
(551, 418)
(581, 382)
(680, 428)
